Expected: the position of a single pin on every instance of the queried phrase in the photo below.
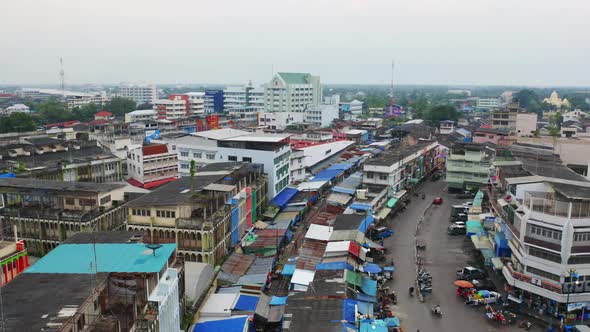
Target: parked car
(457, 209)
(380, 233)
(470, 273)
(437, 201)
(459, 217)
(457, 230)
(459, 223)
(490, 297)
(466, 194)
(467, 204)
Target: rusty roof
(237, 264)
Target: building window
(383, 177)
(197, 155)
(544, 254)
(184, 166)
(70, 201)
(542, 273)
(582, 236)
(232, 158)
(210, 156)
(105, 199)
(184, 153)
(370, 175)
(247, 159)
(86, 202)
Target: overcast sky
(503, 42)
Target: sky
(448, 42)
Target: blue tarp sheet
(348, 310)
(246, 302)
(288, 270)
(334, 266)
(373, 326)
(327, 175)
(7, 175)
(234, 324)
(343, 190)
(365, 308)
(366, 298)
(366, 223)
(341, 166)
(369, 286)
(282, 199)
(278, 300)
(358, 206)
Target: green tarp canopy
(391, 202)
(354, 278)
(478, 199)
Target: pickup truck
(469, 273)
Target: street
(442, 256)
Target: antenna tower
(391, 87)
(62, 76)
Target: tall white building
(140, 93)
(488, 103)
(351, 109)
(239, 97)
(72, 99)
(196, 102)
(16, 108)
(170, 109)
(292, 92)
(321, 115)
(140, 116)
(165, 297)
(222, 145)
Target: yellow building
(556, 101)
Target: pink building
(489, 135)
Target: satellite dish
(154, 247)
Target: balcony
(529, 279)
(544, 203)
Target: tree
(578, 101)
(529, 100)
(53, 111)
(86, 112)
(120, 106)
(442, 112)
(17, 122)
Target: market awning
(400, 194)
(497, 262)
(481, 242)
(383, 213)
(154, 184)
(391, 202)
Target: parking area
(443, 255)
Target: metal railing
(556, 288)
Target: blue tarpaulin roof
(327, 175)
(288, 270)
(341, 166)
(334, 266)
(246, 302)
(360, 206)
(282, 199)
(369, 286)
(233, 324)
(110, 257)
(278, 300)
(7, 175)
(366, 223)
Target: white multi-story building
(165, 297)
(321, 115)
(280, 120)
(297, 165)
(72, 99)
(170, 109)
(488, 103)
(292, 92)
(140, 93)
(549, 226)
(351, 110)
(221, 145)
(140, 116)
(196, 102)
(240, 97)
(152, 164)
(16, 108)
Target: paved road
(443, 255)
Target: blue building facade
(213, 101)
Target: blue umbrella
(372, 268)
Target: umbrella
(483, 293)
(463, 284)
(372, 268)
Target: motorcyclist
(436, 310)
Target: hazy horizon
(453, 42)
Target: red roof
(103, 113)
(153, 184)
(66, 124)
(98, 122)
(149, 150)
(135, 183)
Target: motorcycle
(436, 311)
(423, 196)
(411, 291)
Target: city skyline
(343, 42)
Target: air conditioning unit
(361, 193)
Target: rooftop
(295, 78)
(179, 192)
(106, 257)
(572, 191)
(58, 186)
(38, 301)
(394, 155)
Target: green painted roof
(295, 78)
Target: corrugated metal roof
(237, 264)
(339, 198)
(110, 257)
